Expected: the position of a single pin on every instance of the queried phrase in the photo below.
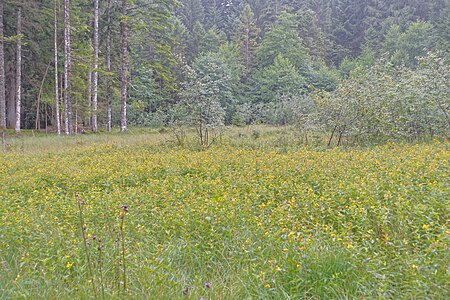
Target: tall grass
(258, 218)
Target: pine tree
(246, 36)
(194, 40)
(191, 12)
(313, 38)
(212, 40)
(212, 16)
(349, 28)
(283, 39)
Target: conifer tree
(246, 36)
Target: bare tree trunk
(200, 131)
(108, 68)
(124, 71)
(61, 99)
(89, 96)
(46, 118)
(95, 74)
(10, 93)
(58, 119)
(2, 73)
(340, 136)
(18, 68)
(38, 104)
(332, 135)
(76, 117)
(67, 65)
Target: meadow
(137, 217)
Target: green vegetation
(366, 71)
(268, 149)
(252, 216)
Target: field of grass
(134, 217)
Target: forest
(371, 70)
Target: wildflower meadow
(157, 221)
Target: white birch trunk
(58, 119)
(108, 68)
(124, 70)
(95, 73)
(2, 73)
(67, 64)
(18, 68)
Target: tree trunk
(2, 73)
(18, 68)
(108, 68)
(61, 99)
(38, 104)
(124, 70)
(89, 96)
(58, 119)
(10, 92)
(67, 65)
(95, 73)
(76, 117)
(46, 118)
(3, 142)
(340, 136)
(332, 135)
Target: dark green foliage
(191, 12)
(404, 47)
(271, 49)
(282, 39)
(279, 78)
(246, 37)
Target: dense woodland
(360, 69)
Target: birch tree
(95, 73)
(67, 65)
(58, 119)
(124, 69)
(2, 73)
(108, 67)
(18, 68)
